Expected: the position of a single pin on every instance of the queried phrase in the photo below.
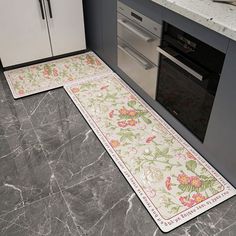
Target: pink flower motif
(185, 202)
(150, 139)
(122, 124)
(182, 200)
(104, 87)
(123, 111)
(75, 90)
(198, 197)
(183, 179)
(98, 63)
(55, 72)
(168, 183)
(21, 92)
(132, 97)
(115, 143)
(132, 122)
(132, 113)
(21, 78)
(195, 181)
(190, 156)
(46, 72)
(190, 203)
(111, 114)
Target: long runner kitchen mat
(172, 180)
(49, 75)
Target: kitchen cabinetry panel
(66, 26)
(93, 24)
(24, 33)
(221, 133)
(100, 24)
(37, 29)
(109, 31)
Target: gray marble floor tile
(5, 93)
(49, 216)
(16, 143)
(16, 130)
(230, 231)
(56, 135)
(106, 205)
(13, 117)
(25, 178)
(98, 196)
(81, 159)
(7, 229)
(221, 220)
(49, 107)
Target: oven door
(142, 71)
(182, 90)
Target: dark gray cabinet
(100, 27)
(93, 24)
(221, 134)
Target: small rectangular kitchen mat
(172, 180)
(54, 74)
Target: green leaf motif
(126, 135)
(182, 187)
(204, 177)
(207, 184)
(131, 103)
(111, 96)
(191, 165)
(186, 188)
(146, 120)
(165, 151)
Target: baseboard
(43, 60)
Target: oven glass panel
(184, 98)
(189, 73)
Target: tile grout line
(60, 190)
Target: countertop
(219, 17)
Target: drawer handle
(144, 63)
(140, 33)
(180, 64)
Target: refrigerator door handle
(50, 8)
(41, 7)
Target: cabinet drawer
(142, 40)
(138, 68)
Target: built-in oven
(189, 72)
(138, 37)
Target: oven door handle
(139, 32)
(143, 62)
(179, 63)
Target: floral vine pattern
(170, 174)
(41, 77)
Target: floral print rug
(172, 180)
(45, 76)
